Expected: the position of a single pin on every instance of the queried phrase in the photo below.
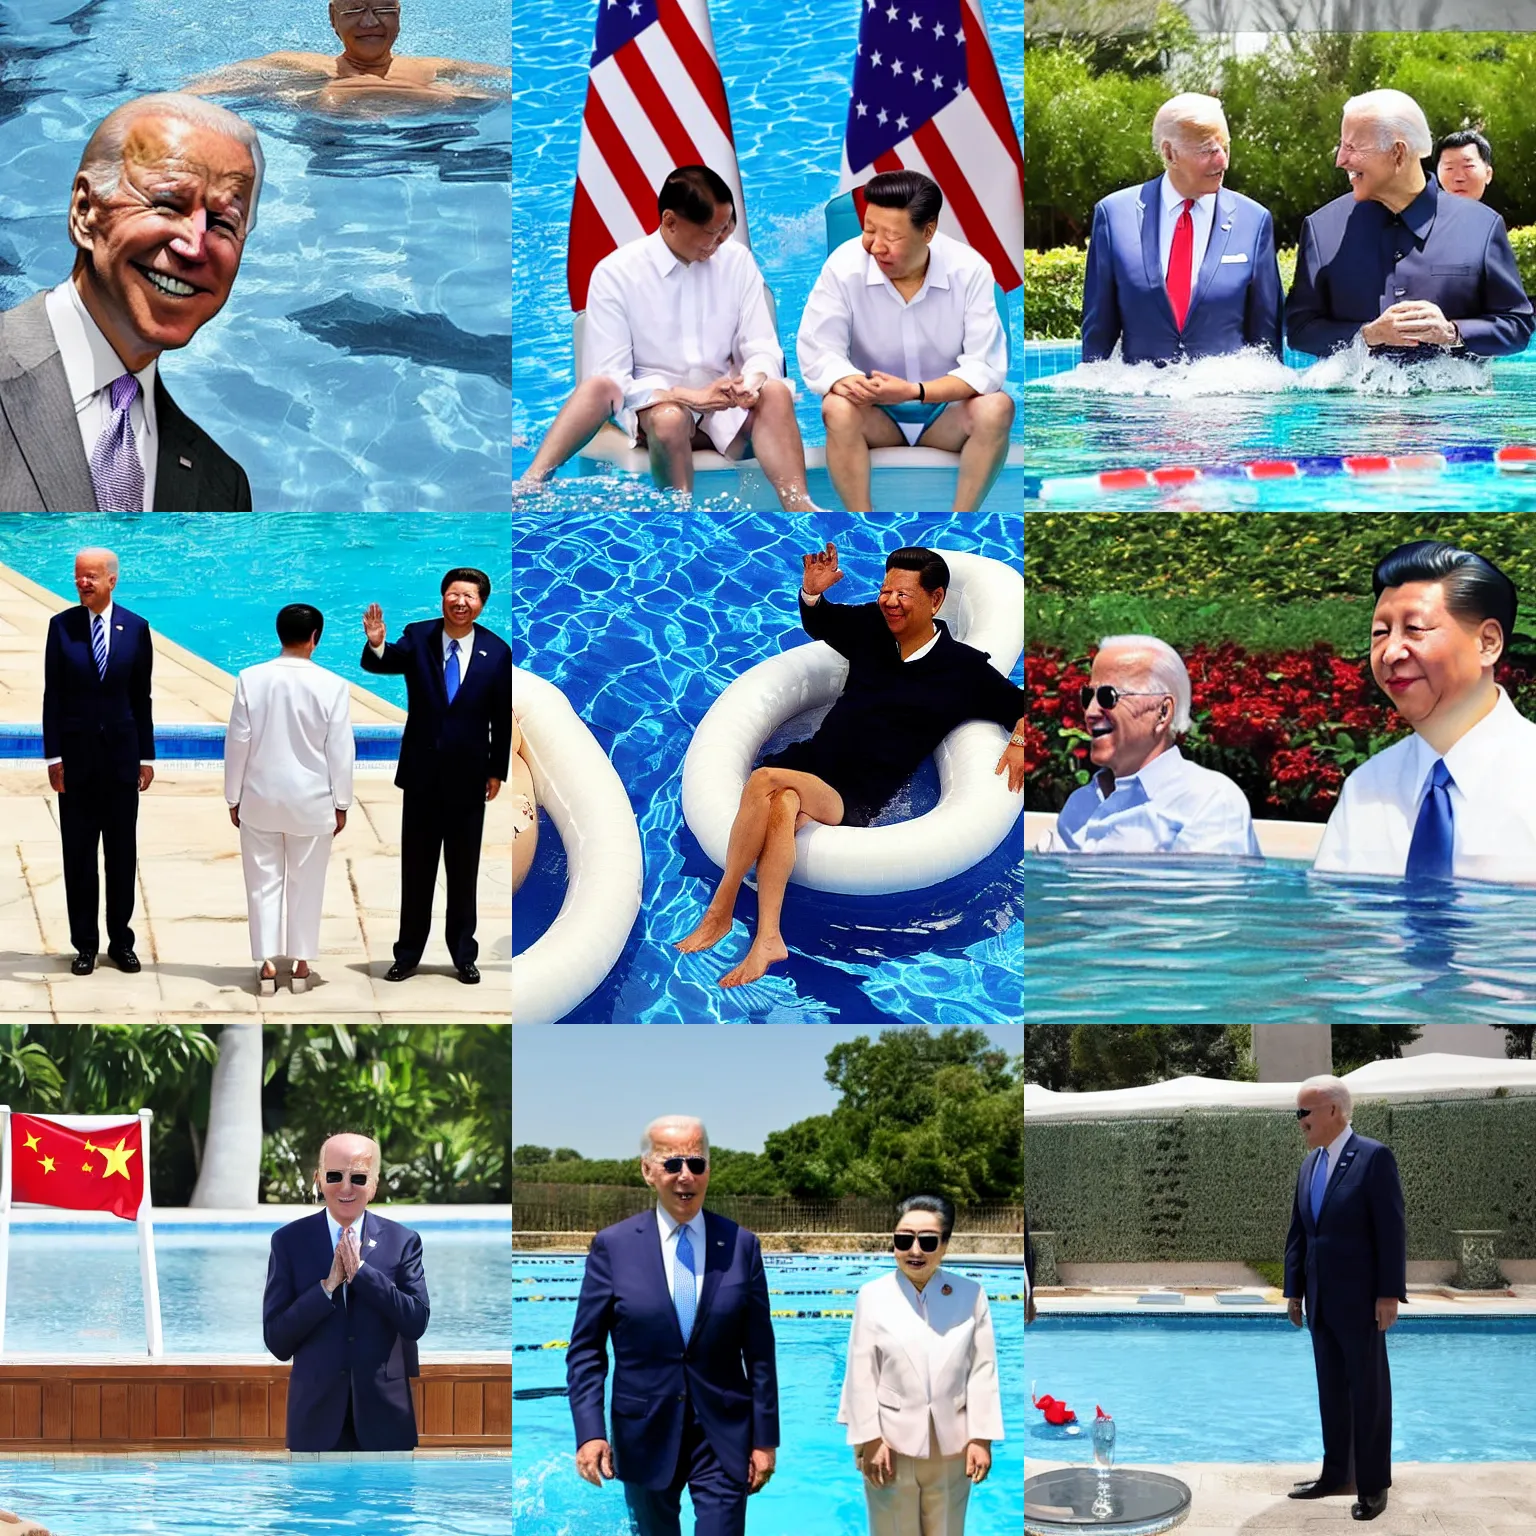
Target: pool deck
(1483, 1498)
(1277, 839)
(190, 914)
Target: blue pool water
(1226, 410)
(1189, 940)
(815, 1489)
(211, 1283)
(642, 622)
(787, 69)
(362, 361)
(332, 1497)
(215, 584)
(1184, 1389)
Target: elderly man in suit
(454, 757)
(346, 1301)
(162, 203)
(681, 1295)
(288, 758)
(1182, 267)
(99, 740)
(1346, 1260)
(1397, 261)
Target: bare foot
(713, 927)
(764, 952)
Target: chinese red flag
(78, 1170)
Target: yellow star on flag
(117, 1158)
(31, 1145)
(46, 1165)
(85, 1168)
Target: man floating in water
(366, 70)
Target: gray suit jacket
(43, 467)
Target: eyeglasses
(1301, 1114)
(1108, 695)
(696, 1165)
(381, 11)
(927, 1241)
(333, 1176)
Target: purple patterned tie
(116, 472)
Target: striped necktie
(99, 644)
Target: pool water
(1183, 1389)
(211, 1284)
(124, 1496)
(363, 359)
(815, 1489)
(215, 584)
(642, 622)
(787, 69)
(1189, 940)
(1234, 410)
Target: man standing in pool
(910, 683)
(454, 758)
(162, 203)
(1398, 261)
(346, 1301)
(1346, 1261)
(682, 1296)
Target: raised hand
(820, 571)
(373, 624)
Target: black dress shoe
(83, 963)
(125, 960)
(399, 971)
(469, 974)
(1319, 1490)
(1368, 1507)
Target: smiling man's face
(367, 33)
(1126, 738)
(159, 253)
(1424, 658)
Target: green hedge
(1217, 1186)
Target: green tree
(1519, 1041)
(1357, 1045)
(528, 1154)
(1048, 1056)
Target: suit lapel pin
(372, 1243)
(946, 1290)
(118, 628)
(184, 461)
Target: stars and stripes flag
(927, 97)
(655, 101)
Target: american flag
(927, 97)
(655, 101)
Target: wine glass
(1104, 1459)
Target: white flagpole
(5, 1211)
(146, 1228)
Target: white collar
(335, 1228)
(90, 363)
(663, 258)
(1173, 198)
(106, 614)
(922, 650)
(1336, 1146)
(1161, 767)
(918, 1298)
(466, 644)
(1473, 755)
(695, 1225)
(937, 275)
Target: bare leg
(748, 832)
(773, 867)
(978, 429)
(592, 402)
(669, 436)
(847, 452)
(776, 442)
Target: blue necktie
(1319, 1183)
(683, 1297)
(1434, 834)
(99, 645)
(451, 670)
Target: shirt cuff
(378, 650)
(53, 760)
(810, 599)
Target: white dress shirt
(335, 1229)
(1493, 804)
(855, 321)
(1170, 806)
(91, 367)
(1331, 1154)
(656, 323)
(466, 650)
(668, 1230)
(1201, 216)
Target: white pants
(926, 1497)
(284, 878)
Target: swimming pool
(1184, 1388)
(1191, 940)
(363, 359)
(214, 584)
(815, 1489)
(787, 69)
(642, 621)
(246, 1496)
(211, 1283)
(1229, 411)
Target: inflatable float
(583, 796)
(976, 810)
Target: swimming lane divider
(1511, 458)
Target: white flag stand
(145, 1224)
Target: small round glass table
(1060, 1503)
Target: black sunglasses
(1108, 695)
(333, 1176)
(1301, 1114)
(696, 1165)
(927, 1241)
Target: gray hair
(101, 162)
(1334, 1089)
(691, 1122)
(1187, 110)
(1397, 116)
(106, 557)
(1165, 672)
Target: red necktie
(1180, 260)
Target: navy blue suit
(1357, 259)
(354, 1354)
(447, 753)
(1234, 299)
(682, 1414)
(1354, 1252)
(102, 728)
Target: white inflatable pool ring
(976, 811)
(584, 797)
